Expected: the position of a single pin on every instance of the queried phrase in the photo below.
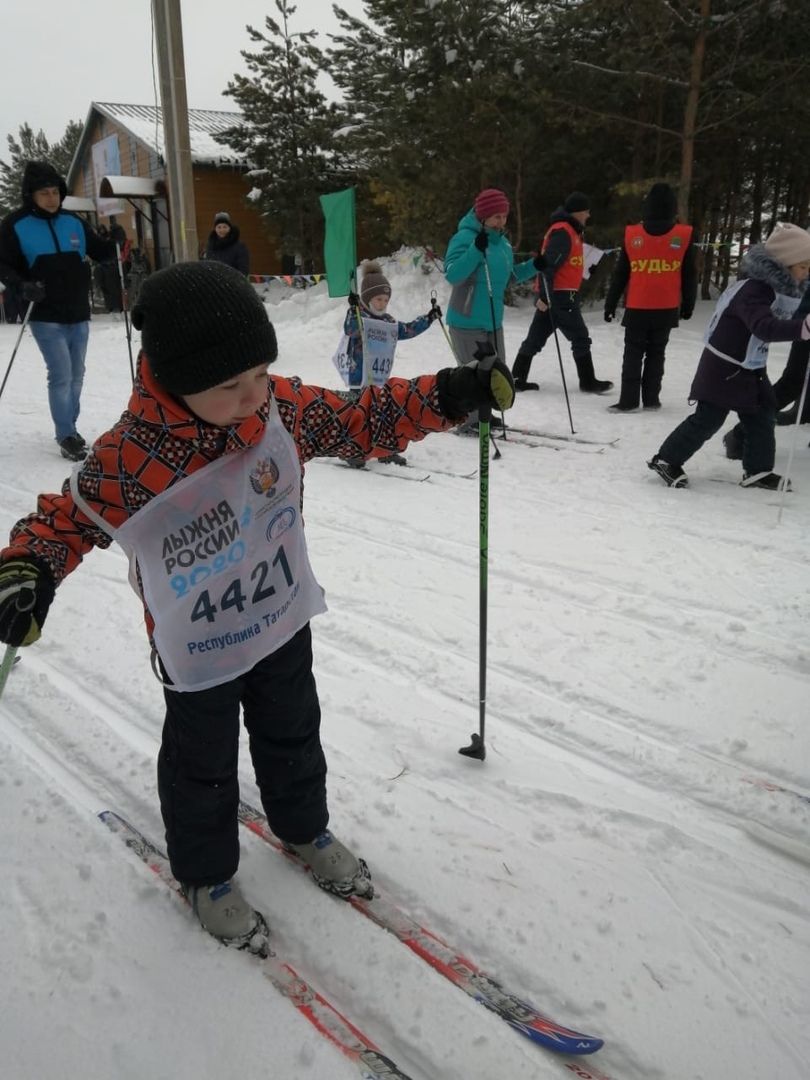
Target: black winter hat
(201, 324)
(41, 174)
(576, 202)
(222, 218)
(660, 203)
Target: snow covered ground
(649, 669)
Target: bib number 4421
(235, 596)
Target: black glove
(33, 290)
(539, 262)
(484, 381)
(354, 300)
(434, 314)
(26, 592)
(610, 314)
(482, 240)
(686, 312)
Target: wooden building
(119, 165)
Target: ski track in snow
(611, 861)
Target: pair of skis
(404, 471)
(329, 1021)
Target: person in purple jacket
(731, 375)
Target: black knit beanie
(201, 324)
(576, 202)
(660, 203)
(41, 174)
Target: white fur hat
(789, 244)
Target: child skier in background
(200, 482)
(731, 374)
(360, 333)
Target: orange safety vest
(655, 266)
(569, 275)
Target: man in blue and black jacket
(43, 250)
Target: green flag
(339, 242)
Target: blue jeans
(63, 346)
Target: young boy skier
(200, 483)
(370, 335)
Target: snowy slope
(648, 660)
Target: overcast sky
(59, 57)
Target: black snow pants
(759, 442)
(643, 365)
(197, 764)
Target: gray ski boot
(334, 867)
(227, 916)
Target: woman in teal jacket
(479, 245)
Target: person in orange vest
(656, 272)
(559, 281)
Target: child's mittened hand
(484, 381)
(434, 313)
(26, 593)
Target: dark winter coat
(749, 314)
(228, 249)
(654, 318)
(51, 248)
(558, 247)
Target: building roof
(145, 122)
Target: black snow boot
(520, 373)
(588, 382)
(672, 475)
(770, 480)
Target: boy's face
(800, 271)
(47, 199)
(379, 303)
(231, 402)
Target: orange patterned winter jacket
(157, 442)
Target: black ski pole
(477, 748)
(559, 354)
(494, 341)
(19, 339)
(124, 306)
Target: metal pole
(19, 339)
(125, 308)
(559, 354)
(176, 141)
(794, 440)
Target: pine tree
(287, 130)
(34, 147)
(433, 107)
